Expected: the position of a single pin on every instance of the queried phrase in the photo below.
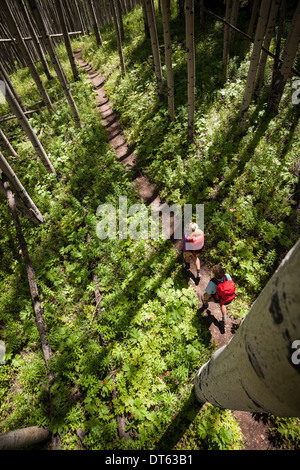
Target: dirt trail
(255, 431)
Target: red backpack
(225, 290)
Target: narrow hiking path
(254, 429)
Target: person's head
(218, 271)
(194, 229)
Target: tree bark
(168, 56)
(190, 51)
(54, 59)
(155, 47)
(21, 438)
(258, 370)
(16, 109)
(8, 147)
(66, 36)
(22, 195)
(259, 37)
(119, 41)
(33, 288)
(251, 23)
(283, 71)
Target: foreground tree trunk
(258, 370)
(168, 56)
(21, 438)
(118, 34)
(190, 52)
(94, 22)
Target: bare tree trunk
(259, 37)
(16, 109)
(54, 59)
(119, 42)
(33, 288)
(66, 36)
(94, 22)
(267, 42)
(21, 438)
(35, 38)
(233, 20)
(155, 47)
(190, 50)
(258, 370)
(283, 72)
(120, 19)
(168, 56)
(27, 57)
(20, 191)
(251, 23)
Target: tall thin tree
(14, 29)
(94, 22)
(190, 53)
(283, 71)
(254, 61)
(54, 59)
(149, 6)
(64, 29)
(118, 34)
(166, 13)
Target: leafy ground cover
(139, 358)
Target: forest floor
(254, 427)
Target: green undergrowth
(138, 357)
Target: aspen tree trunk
(21, 438)
(120, 19)
(66, 36)
(33, 288)
(16, 109)
(146, 25)
(20, 191)
(268, 37)
(259, 37)
(279, 34)
(226, 40)
(283, 71)
(119, 42)
(168, 56)
(233, 19)
(190, 50)
(155, 47)
(9, 84)
(54, 59)
(36, 41)
(254, 11)
(27, 57)
(201, 13)
(94, 22)
(258, 370)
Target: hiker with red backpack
(222, 288)
(193, 246)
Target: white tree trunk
(168, 56)
(258, 370)
(118, 34)
(190, 53)
(25, 437)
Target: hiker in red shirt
(222, 288)
(193, 246)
